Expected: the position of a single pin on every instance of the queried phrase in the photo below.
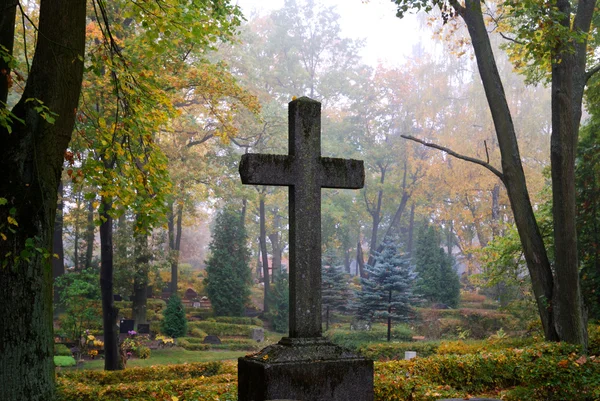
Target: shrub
(62, 350)
(174, 324)
(546, 371)
(153, 373)
(196, 332)
(61, 360)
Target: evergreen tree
(228, 274)
(174, 324)
(387, 292)
(279, 309)
(437, 280)
(335, 292)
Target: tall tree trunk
(58, 262)
(175, 226)
(376, 215)
(360, 260)
(89, 235)
(512, 168)
(31, 164)
(389, 318)
(275, 243)
(140, 278)
(110, 313)
(568, 80)
(411, 230)
(263, 252)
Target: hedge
(248, 321)
(62, 361)
(62, 350)
(540, 372)
(222, 329)
(192, 344)
(154, 373)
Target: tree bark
(58, 262)
(110, 313)
(567, 92)
(376, 215)
(175, 226)
(512, 168)
(411, 230)
(263, 252)
(31, 164)
(275, 244)
(360, 260)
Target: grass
(171, 356)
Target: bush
(133, 375)
(174, 324)
(196, 332)
(195, 381)
(546, 371)
(62, 350)
(62, 361)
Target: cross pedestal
(304, 366)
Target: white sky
(388, 38)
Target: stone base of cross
(304, 366)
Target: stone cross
(305, 172)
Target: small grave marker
(126, 325)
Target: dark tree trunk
(31, 164)
(275, 244)
(512, 168)
(570, 320)
(140, 278)
(265, 256)
(58, 262)
(389, 318)
(360, 260)
(89, 235)
(376, 215)
(175, 225)
(411, 230)
(110, 313)
(347, 260)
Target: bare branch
(591, 72)
(488, 166)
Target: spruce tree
(437, 280)
(387, 292)
(228, 274)
(335, 292)
(174, 323)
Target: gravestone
(126, 326)
(117, 297)
(258, 334)
(143, 328)
(304, 366)
(190, 294)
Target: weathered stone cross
(305, 172)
